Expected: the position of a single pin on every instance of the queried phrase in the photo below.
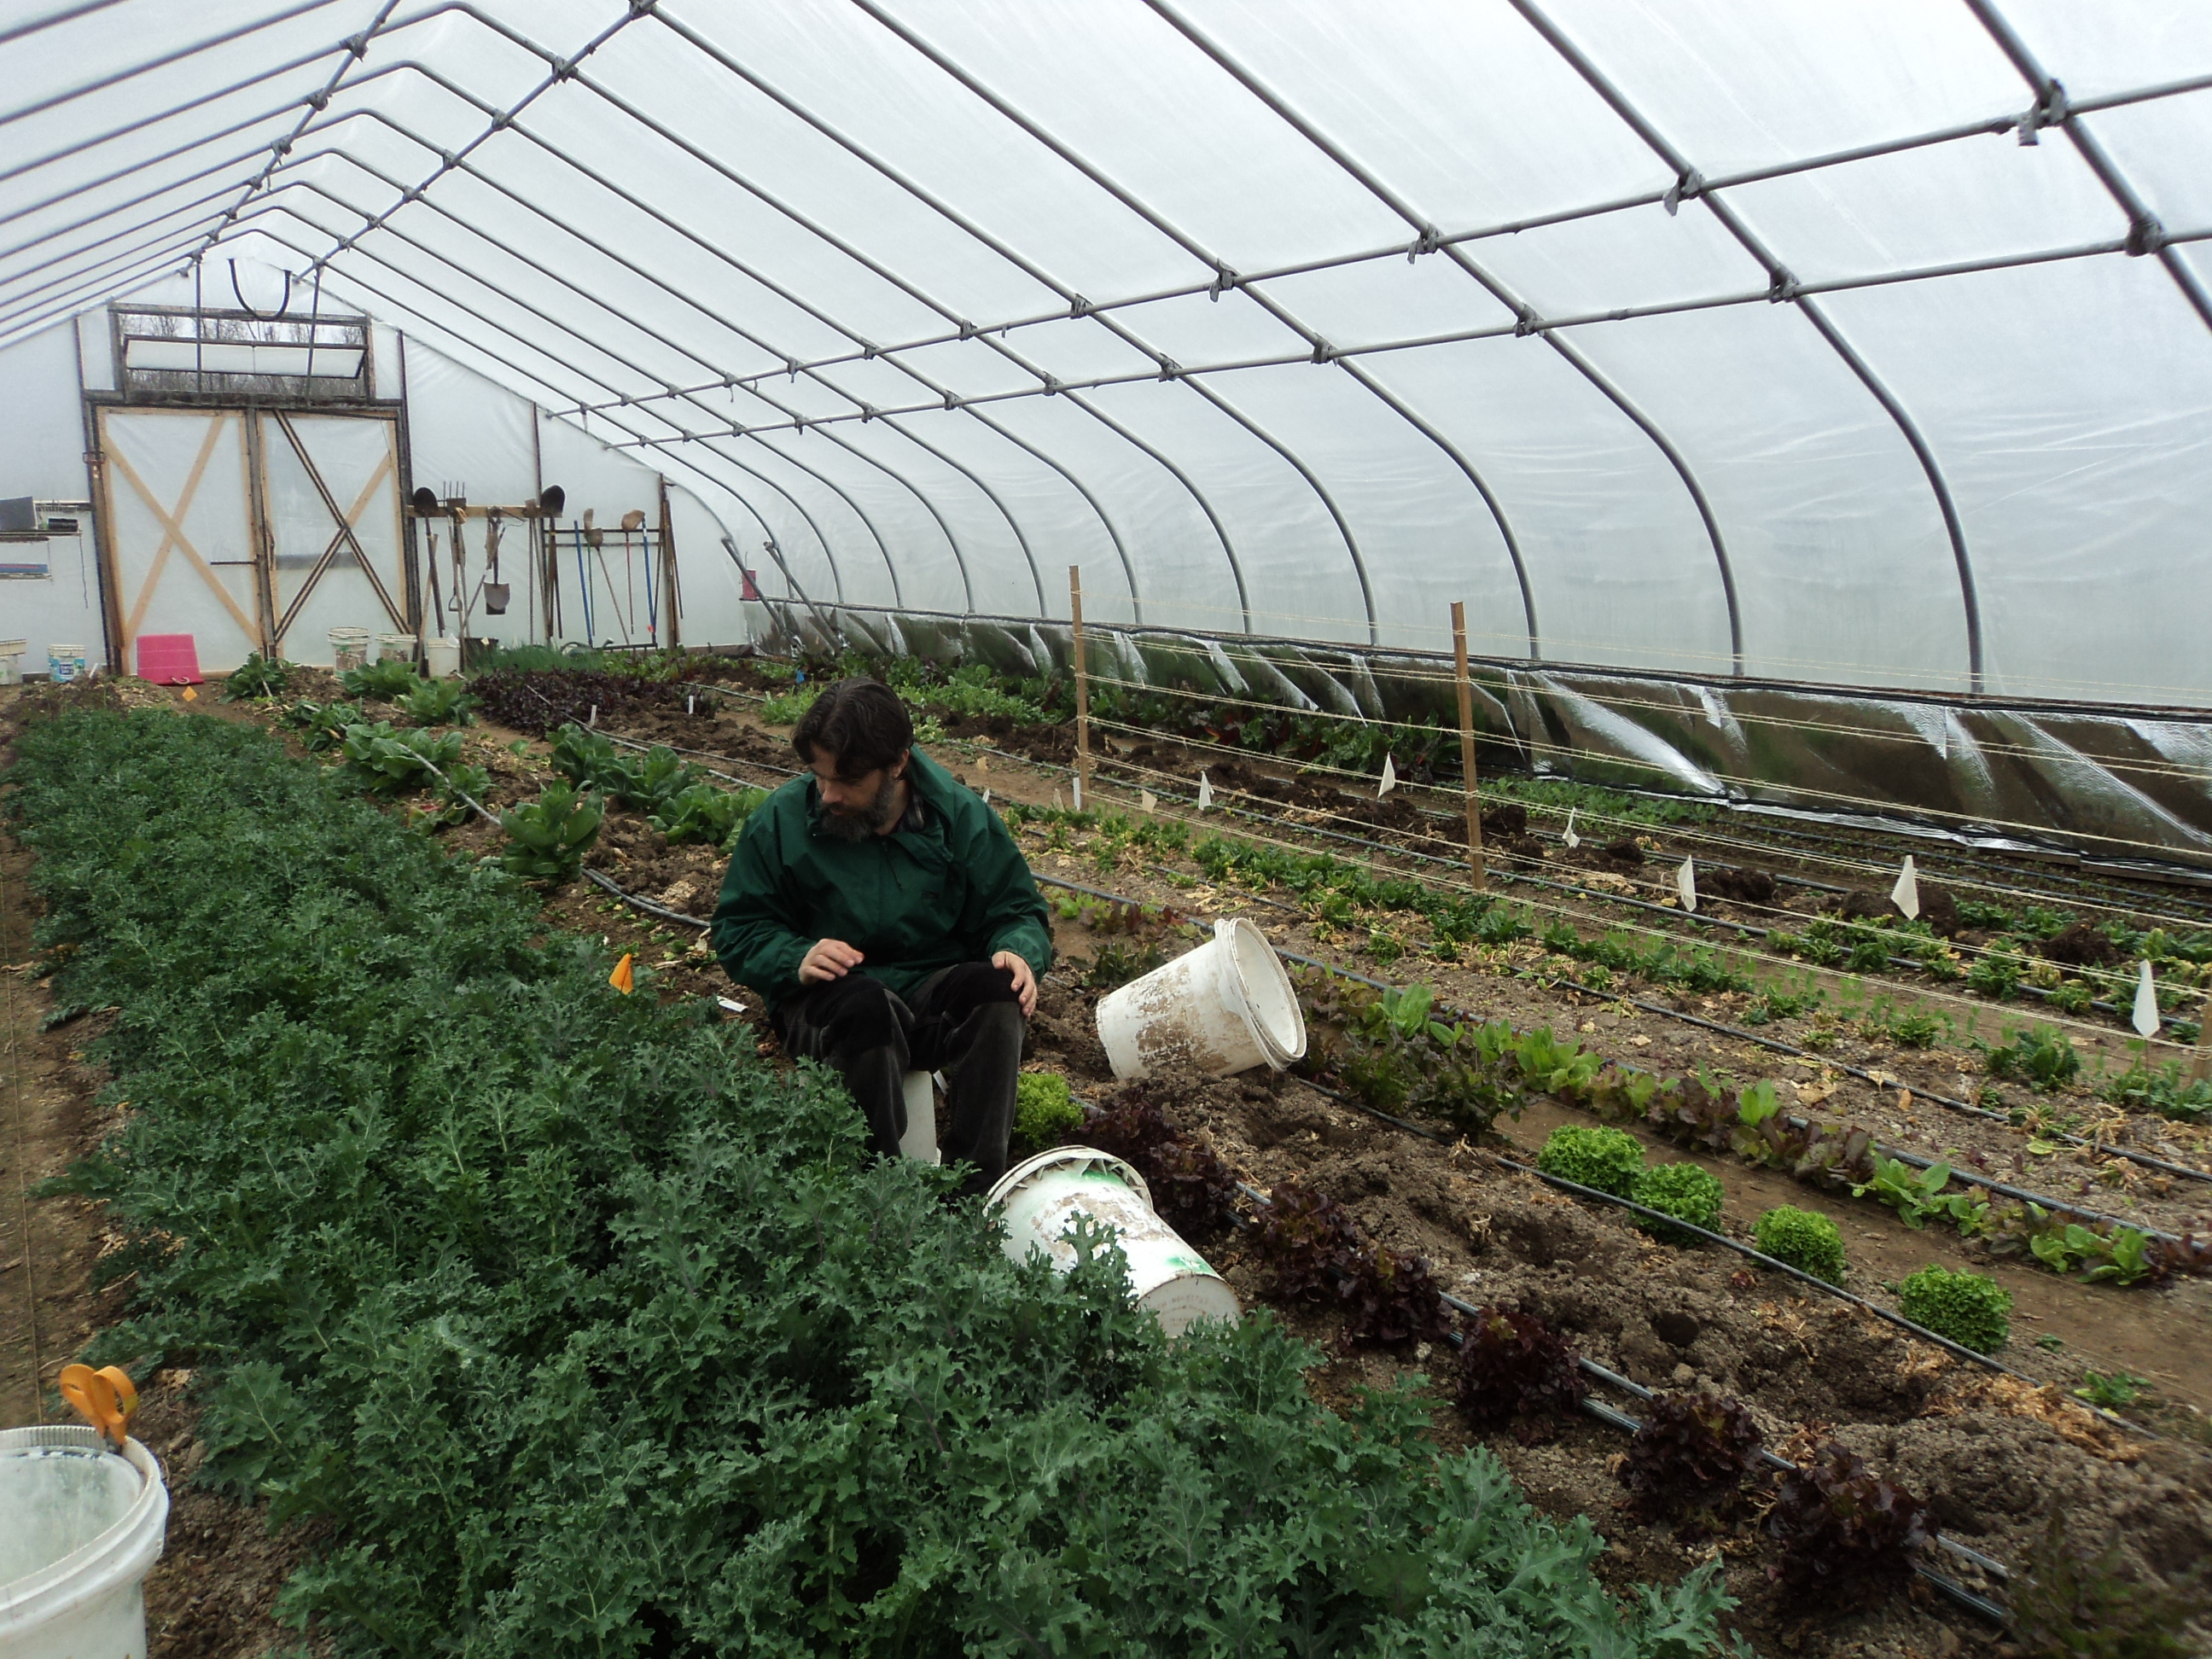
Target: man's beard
(858, 824)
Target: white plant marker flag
(1572, 839)
(1205, 792)
(690, 704)
(1390, 778)
(1058, 804)
(987, 794)
(2146, 1020)
(1148, 800)
(1078, 792)
(1685, 884)
(1905, 896)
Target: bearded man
(887, 917)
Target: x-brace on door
(252, 528)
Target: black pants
(964, 1021)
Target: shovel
(495, 591)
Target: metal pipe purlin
(24, 113)
(724, 382)
(1782, 284)
(2145, 233)
(1028, 268)
(279, 208)
(352, 246)
(1212, 261)
(796, 421)
(1426, 235)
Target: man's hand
(1025, 977)
(831, 959)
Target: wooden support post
(1082, 683)
(1466, 744)
(2200, 1065)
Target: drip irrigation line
(1502, 875)
(645, 904)
(1997, 1615)
(1948, 1102)
(1914, 1160)
(1621, 1420)
(1783, 963)
(1957, 1350)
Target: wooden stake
(1466, 744)
(1082, 679)
(2200, 1067)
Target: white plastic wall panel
(2073, 433)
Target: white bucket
(395, 647)
(1042, 1195)
(79, 1528)
(65, 663)
(441, 658)
(349, 648)
(1222, 1008)
(919, 1140)
(11, 660)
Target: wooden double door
(253, 528)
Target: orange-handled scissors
(105, 1398)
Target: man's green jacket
(912, 902)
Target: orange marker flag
(625, 977)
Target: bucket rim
(119, 1551)
(1278, 1055)
(1029, 1168)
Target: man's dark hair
(860, 723)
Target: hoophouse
(1807, 404)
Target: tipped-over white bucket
(1042, 1195)
(79, 1525)
(1224, 1007)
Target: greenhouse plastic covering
(1859, 343)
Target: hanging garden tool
(632, 522)
(456, 504)
(546, 566)
(495, 591)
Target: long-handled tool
(495, 591)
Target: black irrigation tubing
(1760, 825)
(1773, 1459)
(1958, 1350)
(1948, 1102)
(645, 904)
(1509, 877)
(1913, 1158)
(1623, 1421)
